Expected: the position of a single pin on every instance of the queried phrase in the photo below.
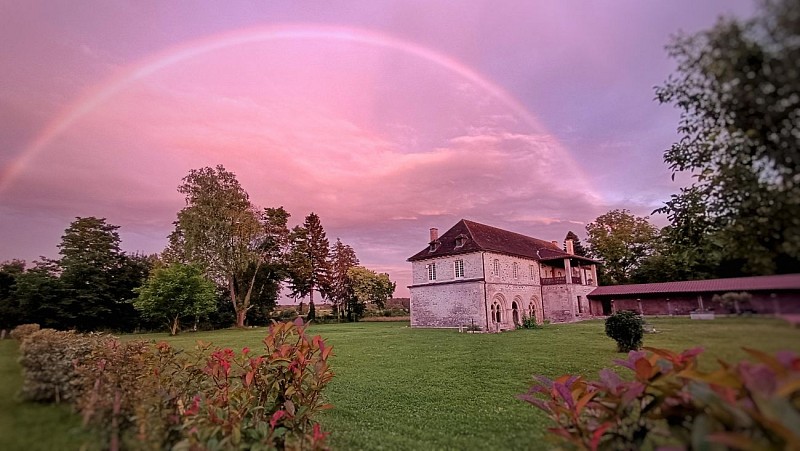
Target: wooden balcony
(554, 280)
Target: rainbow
(104, 91)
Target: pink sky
(385, 118)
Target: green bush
(627, 329)
(529, 322)
(671, 404)
(49, 358)
(22, 331)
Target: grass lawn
(402, 388)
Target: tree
(90, 260)
(367, 287)
(577, 246)
(219, 229)
(176, 291)
(309, 264)
(11, 314)
(343, 257)
(738, 88)
(42, 296)
(622, 242)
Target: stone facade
(492, 282)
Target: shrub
(23, 331)
(529, 322)
(268, 399)
(130, 393)
(627, 328)
(671, 404)
(49, 359)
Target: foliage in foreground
(670, 402)
(627, 329)
(138, 395)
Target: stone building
(491, 278)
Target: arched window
(496, 315)
(515, 313)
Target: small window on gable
(458, 267)
(431, 271)
(496, 267)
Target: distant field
(403, 388)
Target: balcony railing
(563, 279)
(554, 280)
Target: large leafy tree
(622, 242)
(90, 265)
(367, 287)
(176, 291)
(309, 260)
(738, 88)
(219, 229)
(343, 257)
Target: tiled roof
(480, 237)
(781, 282)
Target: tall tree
(309, 261)
(738, 88)
(622, 242)
(90, 260)
(343, 257)
(219, 229)
(176, 291)
(577, 246)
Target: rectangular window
(516, 270)
(496, 267)
(533, 273)
(458, 266)
(432, 271)
(580, 307)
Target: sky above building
(386, 118)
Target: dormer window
(433, 246)
(460, 240)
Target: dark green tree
(91, 261)
(738, 88)
(11, 314)
(577, 246)
(622, 242)
(43, 298)
(343, 257)
(309, 260)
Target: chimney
(570, 248)
(434, 234)
(555, 243)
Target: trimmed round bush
(627, 329)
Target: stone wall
(448, 305)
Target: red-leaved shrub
(671, 403)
